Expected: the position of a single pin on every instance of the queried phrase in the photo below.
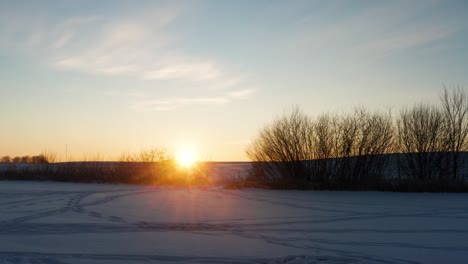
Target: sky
(96, 79)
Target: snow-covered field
(91, 223)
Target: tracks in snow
(295, 232)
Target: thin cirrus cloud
(380, 30)
(414, 37)
(173, 103)
(190, 71)
(139, 45)
(131, 48)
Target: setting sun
(185, 158)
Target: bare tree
(6, 159)
(39, 159)
(153, 154)
(375, 138)
(25, 159)
(455, 131)
(49, 157)
(324, 149)
(362, 138)
(420, 141)
(284, 149)
(347, 134)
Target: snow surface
(103, 223)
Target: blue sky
(107, 77)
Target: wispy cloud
(106, 45)
(188, 71)
(379, 29)
(141, 47)
(173, 103)
(412, 38)
(138, 45)
(243, 94)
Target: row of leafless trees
(107, 172)
(150, 166)
(352, 151)
(38, 159)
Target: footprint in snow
(94, 214)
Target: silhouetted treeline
(350, 151)
(157, 173)
(152, 166)
(39, 159)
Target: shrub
(283, 150)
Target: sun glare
(185, 158)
